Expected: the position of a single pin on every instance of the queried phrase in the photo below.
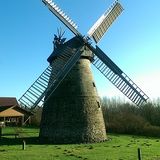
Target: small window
(99, 106)
(93, 84)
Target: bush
(36, 118)
(149, 130)
(127, 123)
(121, 117)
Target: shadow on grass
(32, 141)
(18, 141)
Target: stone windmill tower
(72, 111)
(72, 114)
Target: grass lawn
(118, 147)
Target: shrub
(127, 123)
(149, 130)
(36, 118)
(121, 117)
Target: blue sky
(27, 29)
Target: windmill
(72, 111)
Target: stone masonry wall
(73, 113)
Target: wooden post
(24, 145)
(22, 122)
(139, 154)
(0, 132)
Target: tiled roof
(8, 101)
(11, 102)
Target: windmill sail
(63, 70)
(117, 77)
(66, 20)
(105, 21)
(35, 94)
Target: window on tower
(93, 84)
(99, 105)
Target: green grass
(23, 132)
(118, 147)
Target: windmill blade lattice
(35, 94)
(44, 84)
(105, 21)
(118, 78)
(66, 20)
